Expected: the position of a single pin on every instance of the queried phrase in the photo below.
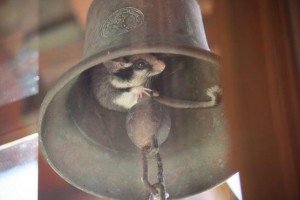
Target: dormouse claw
(140, 90)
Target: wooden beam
(260, 83)
(80, 9)
(207, 7)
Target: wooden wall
(260, 74)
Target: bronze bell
(88, 145)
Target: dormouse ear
(115, 66)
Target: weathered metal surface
(88, 145)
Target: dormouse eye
(141, 64)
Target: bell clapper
(148, 126)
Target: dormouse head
(146, 64)
(137, 69)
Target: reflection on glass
(19, 169)
(18, 50)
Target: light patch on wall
(19, 169)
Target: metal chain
(155, 191)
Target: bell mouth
(88, 145)
(107, 128)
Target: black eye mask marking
(125, 74)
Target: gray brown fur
(121, 91)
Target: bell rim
(93, 60)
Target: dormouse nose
(159, 65)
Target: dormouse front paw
(140, 91)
